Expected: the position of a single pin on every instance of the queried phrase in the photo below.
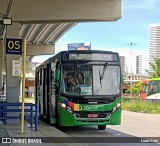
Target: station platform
(46, 135)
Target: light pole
(131, 45)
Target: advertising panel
(79, 46)
(16, 67)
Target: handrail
(4, 110)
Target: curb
(51, 131)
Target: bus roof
(75, 51)
(154, 79)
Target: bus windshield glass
(85, 80)
(77, 79)
(153, 87)
(109, 84)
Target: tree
(135, 88)
(156, 68)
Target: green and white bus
(95, 100)
(153, 89)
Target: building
(154, 43)
(139, 64)
(123, 63)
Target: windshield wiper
(101, 75)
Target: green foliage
(135, 88)
(141, 106)
(156, 68)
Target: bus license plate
(92, 115)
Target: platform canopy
(45, 21)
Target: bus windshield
(153, 87)
(85, 79)
(109, 84)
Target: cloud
(140, 4)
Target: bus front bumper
(69, 119)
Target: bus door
(38, 96)
(40, 91)
(45, 92)
(53, 89)
(46, 101)
(48, 90)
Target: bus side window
(53, 68)
(57, 73)
(151, 88)
(54, 74)
(53, 77)
(40, 76)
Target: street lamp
(131, 45)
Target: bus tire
(101, 127)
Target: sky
(133, 27)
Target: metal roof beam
(57, 34)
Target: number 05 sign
(13, 46)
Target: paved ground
(3, 133)
(133, 124)
(45, 132)
(139, 124)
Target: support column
(2, 69)
(13, 83)
(1, 48)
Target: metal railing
(30, 108)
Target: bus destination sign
(93, 56)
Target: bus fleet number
(87, 108)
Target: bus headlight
(63, 105)
(116, 107)
(68, 108)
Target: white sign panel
(16, 67)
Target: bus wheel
(102, 127)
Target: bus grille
(85, 115)
(92, 101)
